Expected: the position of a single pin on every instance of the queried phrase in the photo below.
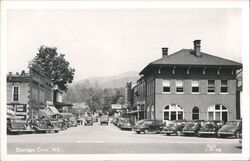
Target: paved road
(104, 139)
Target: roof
(186, 57)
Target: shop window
(195, 113)
(166, 86)
(179, 86)
(15, 93)
(211, 86)
(195, 86)
(173, 112)
(224, 86)
(218, 112)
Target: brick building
(189, 84)
(29, 95)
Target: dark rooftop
(187, 57)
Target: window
(211, 86)
(224, 86)
(218, 112)
(179, 86)
(166, 86)
(195, 86)
(15, 93)
(173, 112)
(195, 113)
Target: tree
(49, 62)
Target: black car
(210, 127)
(174, 127)
(192, 127)
(147, 126)
(89, 121)
(232, 128)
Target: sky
(108, 42)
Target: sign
(116, 106)
(19, 110)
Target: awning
(136, 111)
(44, 112)
(53, 109)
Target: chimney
(23, 72)
(164, 52)
(197, 48)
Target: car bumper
(226, 133)
(188, 132)
(168, 132)
(206, 132)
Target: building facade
(189, 84)
(29, 94)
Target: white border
(243, 4)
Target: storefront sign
(19, 110)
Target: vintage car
(104, 119)
(147, 126)
(72, 122)
(210, 127)
(115, 121)
(63, 124)
(88, 121)
(231, 128)
(125, 124)
(18, 126)
(192, 127)
(44, 125)
(174, 127)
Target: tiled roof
(187, 57)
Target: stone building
(189, 84)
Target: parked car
(18, 126)
(192, 127)
(72, 122)
(231, 128)
(210, 127)
(147, 126)
(125, 124)
(89, 121)
(115, 121)
(174, 127)
(104, 119)
(44, 125)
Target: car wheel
(237, 135)
(178, 133)
(138, 132)
(56, 131)
(168, 134)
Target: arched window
(217, 112)
(195, 113)
(173, 112)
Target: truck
(104, 119)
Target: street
(103, 139)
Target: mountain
(112, 81)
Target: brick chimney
(164, 52)
(197, 48)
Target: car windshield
(140, 122)
(232, 122)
